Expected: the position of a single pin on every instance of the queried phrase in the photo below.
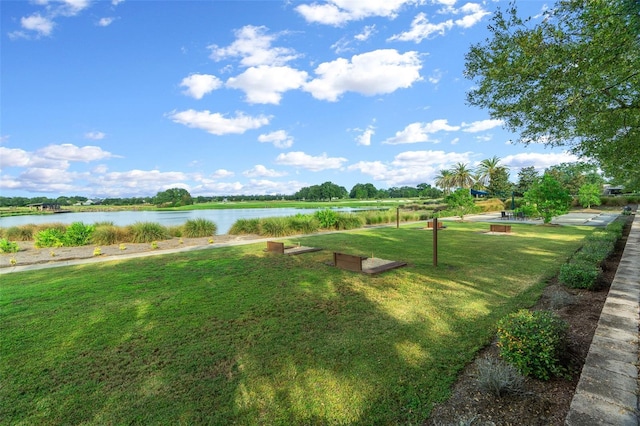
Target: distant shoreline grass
(237, 335)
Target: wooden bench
(348, 261)
(430, 225)
(500, 228)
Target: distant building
(44, 206)
(612, 190)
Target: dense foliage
(569, 79)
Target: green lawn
(239, 336)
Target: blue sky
(128, 98)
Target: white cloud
(266, 84)
(306, 161)
(435, 76)
(372, 73)
(140, 181)
(538, 160)
(339, 12)
(41, 25)
(218, 124)
(366, 33)
(419, 132)
(96, 136)
(261, 171)
(253, 45)
(481, 126)
(473, 14)
(365, 137)
(279, 138)
(410, 167)
(222, 174)
(14, 157)
(421, 29)
(70, 152)
(105, 22)
(199, 85)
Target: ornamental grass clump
(533, 341)
(146, 232)
(199, 227)
(20, 233)
(107, 234)
(345, 221)
(245, 226)
(275, 227)
(498, 377)
(304, 223)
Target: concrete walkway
(607, 393)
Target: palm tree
(443, 181)
(462, 176)
(487, 168)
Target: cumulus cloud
(538, 160)
(222, 174)
(70, 152)
(96, 136)
(365, 137)
(279, 138)
(42, 26)
(421, 29)
(266, 84)
(218, 124)
(253, 46)
(410, 167)
(372, 73)
(339, 12)
(43, 23)
(14, 157)
(105, 22)
(261, 171)
(420, 132)
(198, 85)
(481, 126)
(306, 161)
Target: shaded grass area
(237, 335)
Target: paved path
(607, 393)
(573, 218)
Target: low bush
(580, 274)
(199, 227)
(245, 226)
(498, 377)
(346, 221)
(7, 246)
(275, 227)
(304, 223)
(20, 233)
(77, 234)
(51, 237)
(327, 218)
(533, 342)
(146, 232)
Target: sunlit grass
(237, 335)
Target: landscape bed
(236, 335)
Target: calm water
(224, 219)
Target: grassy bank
(237, 335)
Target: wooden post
(435, 241)
(397, 217)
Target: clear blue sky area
(128, 98)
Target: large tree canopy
(570, 79)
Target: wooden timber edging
(499, 228)
(280, 248)
(349, 262)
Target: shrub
(304, 223)
(594, 253)
(199, 227)
(275, 227)
(77, 234)
(105, 235)
(580, 274)
(490, 205)
(533, 342)
(346, 221)
(245, 226)
(7, 246)
(327, 218)
(146, 232)
(498, 377)
(20, 233)
(51, 237)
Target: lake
(223, 218)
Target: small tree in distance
(589, 195)
(548, 198)
(461, 202)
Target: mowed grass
(239, 336)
